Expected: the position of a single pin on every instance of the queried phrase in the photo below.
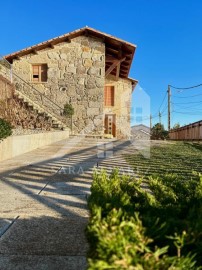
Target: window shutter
(35, 70)
(44, 73)
(39, 73)
(109, 96)
(112, 96)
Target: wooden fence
(190, 132)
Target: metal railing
(30, 92)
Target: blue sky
(168, 35)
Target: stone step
(56, 123)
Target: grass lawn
(175, 157)
(131, 228)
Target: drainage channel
(9, 226)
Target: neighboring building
(86, 68)
(140, 132)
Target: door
(110, 124)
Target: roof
(140, 126)
(119, 53)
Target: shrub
(131, 228)
(68, 110)
(5, 129)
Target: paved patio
(43, 198)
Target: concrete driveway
(43, 198)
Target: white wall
(17, 145)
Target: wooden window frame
(40, 71)
(109, 99)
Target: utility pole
(160, 117)
(169, 97)
(150, 121)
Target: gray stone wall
(76, 74)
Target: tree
(68, 111)
(158, 132)
(177, 125)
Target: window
(109, 96)
(39, 73)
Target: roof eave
(109, 40)
(62, 38)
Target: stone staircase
(40, 110)
(32, 97)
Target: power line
(163, 100)
(186, 88)
(192, 109)
(188, 107)
(159, 111)
(154, 116)
(188, 96)
(165, 108)
(188, 113)
(191, 102)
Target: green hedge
(5, 129)
(134, 229)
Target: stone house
(86, 68)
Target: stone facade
(76, 75)
(122, 105)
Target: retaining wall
(17, 145)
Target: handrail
(53, 107)
(13, 73)
(38, 91)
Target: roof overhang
(119, 53)
(134, 82)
